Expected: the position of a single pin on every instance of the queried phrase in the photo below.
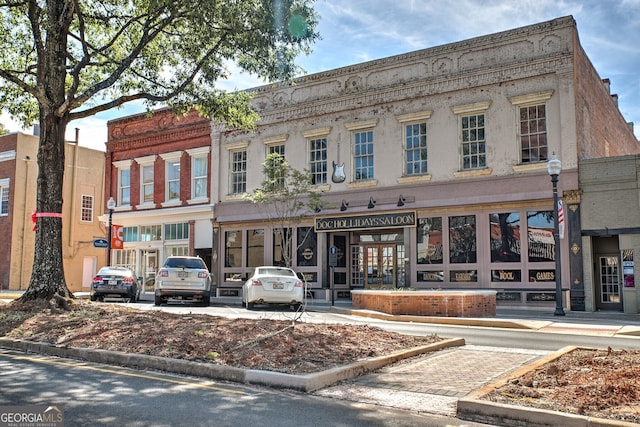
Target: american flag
(560, 219)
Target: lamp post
(554, 166)
(111, 205)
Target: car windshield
(196, 263)
(275, 271)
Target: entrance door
(149, 265)
(380, 261)
(608, 291)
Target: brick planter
(467, 303)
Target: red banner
(117, 238)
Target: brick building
(83, 187)
(158, 170)
(434, 167)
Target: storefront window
(307, 247)
(233, 249)
(540, 236)
(430, 241)
(462, 239)
(255, 248)
(504, 231)
(281, 237)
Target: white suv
(183, 278)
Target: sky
(354, 31)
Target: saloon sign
(366, 222)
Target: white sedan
(273, 285)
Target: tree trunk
(47, 278)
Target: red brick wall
(141, 135)
(419, 303)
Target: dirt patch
(273, 345)
(596, 383)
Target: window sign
(627, 268)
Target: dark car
(116, 282)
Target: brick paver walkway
(433, 382)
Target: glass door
(609, 289)
(150, 267)
(380, 261)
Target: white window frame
(407, 120)
(169, 159)
(362, 127)
(88, 208)
(4, 196)
(526, 101)
(468, 110)
(146, 162)
(233, 148)
(198, 154)
(314, 163)
(122, 166)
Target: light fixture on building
(554, 167)
(344, 205)
(372, 203)
(401, 201)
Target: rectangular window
(177, 250)
(147, 184)
(130, 234)
(238, 172)
(124, 187)
(462, 239)
(233, 249)
(415, 148)
(199, 166)
(430, 241)
(540, 239)
(125, 258)
(533, 133)
(176, 231)
(86, 209)
(276, 148)
(363, 155)
(173, 180)
(505, 237)
(4, 197)
(150, 233)
(318, 160)
(255, 248)
(281, 246)
(307, 241)
(474, 154)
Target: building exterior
(433, 165)
(610, 246)
(158, 170)
(83, 187)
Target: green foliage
(159, 51)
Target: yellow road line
(117, 372)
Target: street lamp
(554, 166)
(111, 205)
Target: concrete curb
(464, 321)
(473, 408)
(305, 383)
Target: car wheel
(250, 306)
(205, 301)
(296, 307)
(158, 301)
(93, 298)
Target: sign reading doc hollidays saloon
(365, 222)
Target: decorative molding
(236, 146)
(316, 133)
(474, 173)
(200, 151)
(476, 107)
(365, 124)
(572, 196)
(122, 164)
(531, 98)
(172, 156)
(278, 139)
(414, 179)
(363, 184)
(147, 160)
(530, 167)
(414, 117)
